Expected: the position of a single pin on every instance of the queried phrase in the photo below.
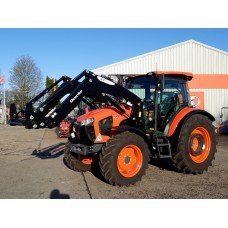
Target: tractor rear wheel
(124, 159)
(196, 146)
(77, 162)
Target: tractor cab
(163, 93)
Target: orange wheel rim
(129, 161)
(199, 144)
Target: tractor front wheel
(196, 145)
(124, 159)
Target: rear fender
(182, 116)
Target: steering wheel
(166, 104)
(149, 103)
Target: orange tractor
(64, 127)
(139, 117)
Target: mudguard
(137, 131)
(183, 115)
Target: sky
(63, 51)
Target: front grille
(85, 134)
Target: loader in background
(134, 118)
(64, 127)
(16, 118)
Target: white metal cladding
(214, 100)
(190, 56)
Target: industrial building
(209, 66)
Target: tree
(25, 80)
(49, 82)
(9, 97)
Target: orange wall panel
(209, 81)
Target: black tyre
(75, 161)
(124, 159)
(196, 145)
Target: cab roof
(175, 74)
(172, 74)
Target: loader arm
(85, 85)
(34, 114)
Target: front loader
(133, 118)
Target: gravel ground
(31, 167)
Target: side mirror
(161, 82)
(195, 101)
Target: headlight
(88, 122)
(87, 129)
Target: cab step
(163, 148)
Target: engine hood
(99, 115)
(103, 113)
